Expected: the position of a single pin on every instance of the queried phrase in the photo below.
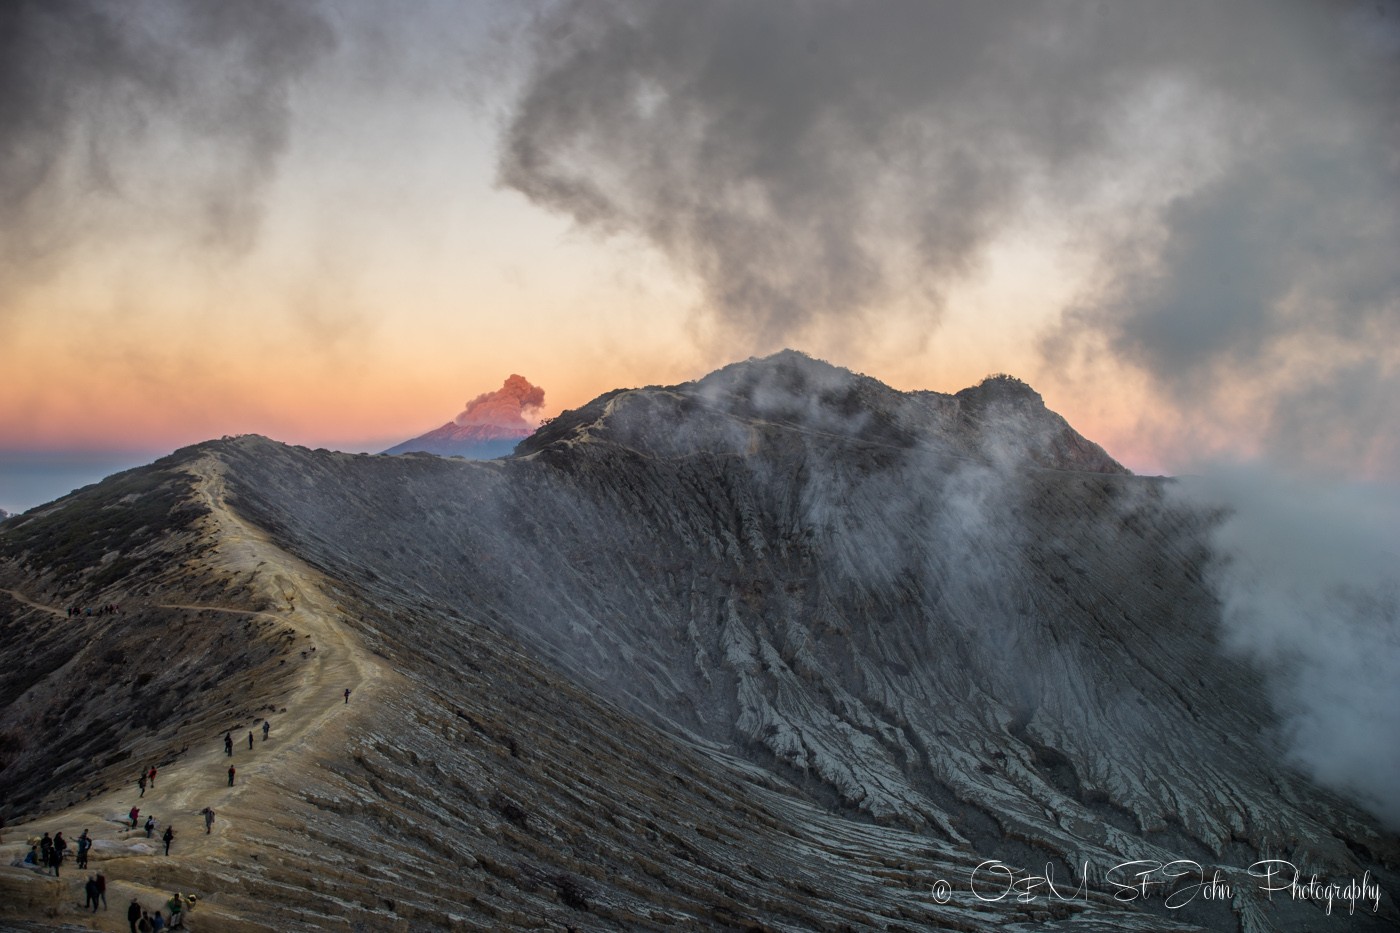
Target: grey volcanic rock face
(472, 442)
(780, 649)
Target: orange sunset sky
(332, 223)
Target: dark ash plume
(1230, 168)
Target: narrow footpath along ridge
(784, 649)
(315, 712)
(20, 597)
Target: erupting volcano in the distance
(490, 426)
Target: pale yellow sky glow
(361, 317)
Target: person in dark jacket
(228, 743)
(167, 838)
(90, 889)
(133, 913)
(231, 770)
(60, 849)
(84, 845)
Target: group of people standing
(103, 610)
(50, 852)
(153, 921)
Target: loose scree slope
(781, 649)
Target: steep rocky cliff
(782, 648)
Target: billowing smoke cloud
(142, 117)
(811, 164)
(510, 406)
(1229, 171)
(1309, 581)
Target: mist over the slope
(1229, 170)
(886, 598)
(1308, 575)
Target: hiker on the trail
(169, 835)
(133, 913)
(151, 777)
(102, 889)
(176, 906)
(55, 860)
(208, 819)
(157, 922)
(84, 844)
(266, 726)
(90, 889)
(135, 815)
(150, 826)
(228, 743)
(33, 858)
(45, 848)
(230, 775)
(347, 694)
(141, 783)
(250, 740)
(144, 924)
(60, 848)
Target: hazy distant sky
(333, 223)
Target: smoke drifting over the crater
(513, 405)
(1309, 585)
(1224, 175)
(1228, 171)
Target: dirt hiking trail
(313, 717)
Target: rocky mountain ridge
(781, 648)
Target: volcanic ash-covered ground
(780, 649)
